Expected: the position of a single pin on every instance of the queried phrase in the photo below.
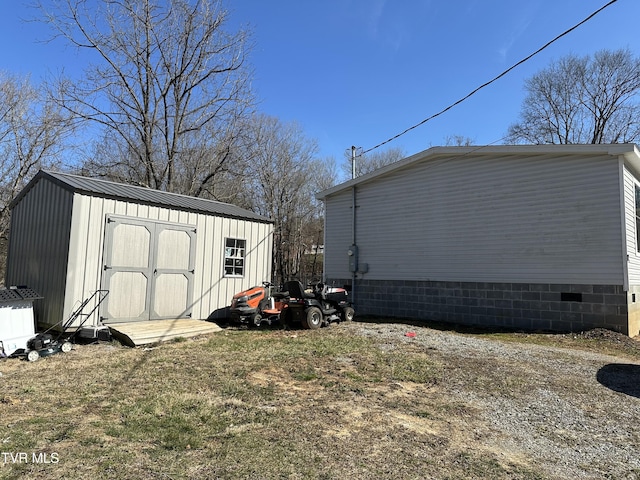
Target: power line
(494, 79)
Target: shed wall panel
(546, 219)
(204, 264)
(39, 247)
(85, 251)
(257, 261)
(211, 291)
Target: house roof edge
(628, 150)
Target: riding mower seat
(280, 295)
(296, 290)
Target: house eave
(629, 151)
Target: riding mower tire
(312, 319)
(255, 320)
(347, 314)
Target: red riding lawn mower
(257, 305)
(312, 309)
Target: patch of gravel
(565, 413)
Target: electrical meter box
(352, 253)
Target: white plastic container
(17, 324)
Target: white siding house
(537, 237)
(159, 255)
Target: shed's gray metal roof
(147, 196)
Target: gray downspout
(353, 222)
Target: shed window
(638, 218)
(234, 251)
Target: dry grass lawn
(261, 404)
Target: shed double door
(148, 270)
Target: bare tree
(372, 161)
(458, 141)
(284, 175)
(168, 86)
(33, 132)
(208, 169)
(324, 175)
(582, 100)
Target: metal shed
(160, 255)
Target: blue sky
(357, 72)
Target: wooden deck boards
(143, 333)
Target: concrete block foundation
(526, 306)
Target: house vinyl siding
(338, 234)
(473, 218)
(630, 183)
(534, 237)
(633, 253)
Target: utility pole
(353, 162)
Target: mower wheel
(313, 319)
(348, 314)
(255, 320)
(33, 355)
(66, 347)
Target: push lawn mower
(257, 305)
(44, 344)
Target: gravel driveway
(571, 413)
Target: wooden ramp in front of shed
(135, 334)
